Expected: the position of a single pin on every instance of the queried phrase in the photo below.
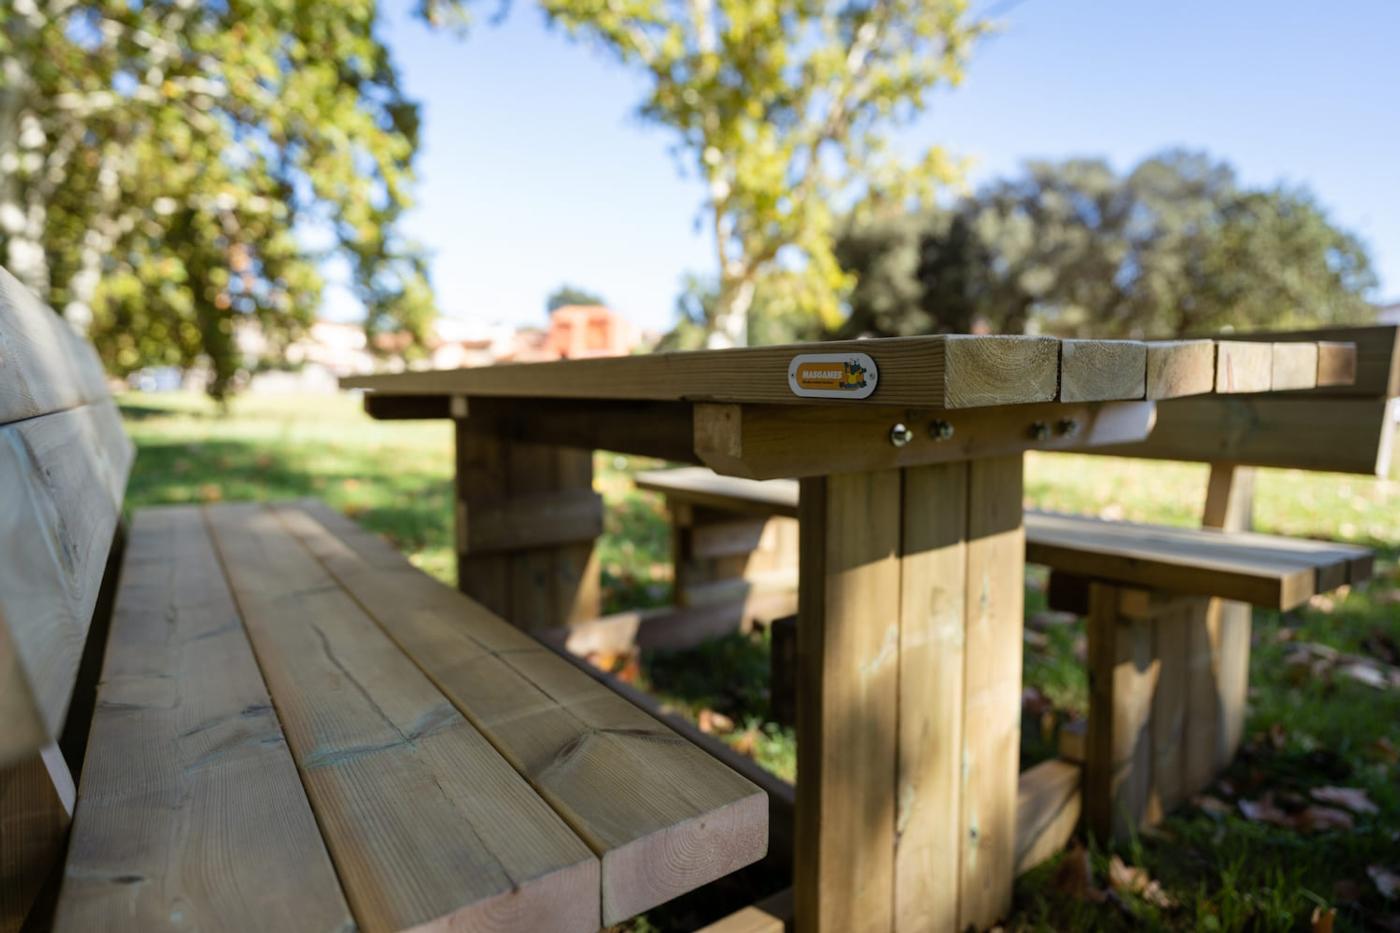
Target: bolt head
(900, 435)
(940, 430)
(1067, 427)
(1039, 430)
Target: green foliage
(567, 294)
(1174, 247)
(784, 109)
(164, 166)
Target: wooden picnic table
(912, 553)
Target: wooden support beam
(668, 628)
(1229, 506)
(1048, 806)
(773, 914)
(36, 806)
(778, 441)
(552, 517)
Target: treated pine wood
(848, 650)
(663, 817)
(1201, 746)
(776, 441)
(991, 689)
(44, 366)
(773, 914)
(36, 806)
(1048, 806)
(668, 628)
(62, 474)
(1242, 366)
(1180, 367)
(1306, 432)
(481, 475)
(1377, 364)
(425, 821)
(933, 566)
(1170, 634)
(1102, 370)
(1336, 363)
(1118, 754)
(1229, 506)
(1265, 570)
(192, 813)
(563, 516)
(1294, 366)
(700, 486)
(939, 371)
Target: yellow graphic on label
(832, 375)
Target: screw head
(900, 434)
(1067, 427)
(1039, 430)
(940, 430)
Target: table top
(947, 372)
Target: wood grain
(939, 371)
(1294, 366)
(1336, 363)
(45, 366)
(1377, 356)
(63, 475)
(1229, 506)
(192, 815)
(1102, 370)
(1180, 367)
(425, 821)
(1242, 366)
(991, 731)
(36, 807)
(663, 816)
(1048, 806)
(931, 618)
(848, 650)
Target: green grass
(1224, 873)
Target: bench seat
(296, 729)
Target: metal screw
(940, 430)
(1068, 427)
(900, 434)
(1039, 430)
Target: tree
(1175, 247)
(171, 170)
(569, 295)
(784, 109)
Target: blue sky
(535, 171)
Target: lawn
(1309, 725)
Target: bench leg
(908, 711)
(526, 521)
(725, 558)
(36, 806)
(1229, 506)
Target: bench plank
(1102, 370)
(44, 366)
(1180, 367)
(426, 823)
(664, 816)
(191, 813)
(63, 475)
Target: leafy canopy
(784, 109)
(1176, 246)
(567, 294)
(172, 169)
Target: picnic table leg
(526, 520)
(1229, 506)
(909, 652)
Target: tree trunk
(22, 140)
(729, 327)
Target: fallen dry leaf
(1264, 811)
(1365, 673)
(1386, 880)
(712, 723)
(1322, 920)
(1322, 819)
(746, 743)
(1353, 798)
(1127, 879)
(1385, 750)
(1213, 806)
(1322, 603)
(1075, 876)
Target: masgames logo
(832, 375)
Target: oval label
(832, 375)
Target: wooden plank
(771, 915)
(704, 487)
(936, 371)
(1341, 435)
(1170, 634)
(668, 628)
(425, 821)
(62, 475)
(1265, 570)
(561, 516)
(1294, 366)
(44, 366)
(1048, 804)
(1201, 748)
(1229, 506)
(931, 618)
(735, 537)
(663, 816)
(36, 806)
(1241, 366)
(1102, 370)
(1336, 363)
(1118, 755)
(848, 649)
(192, 811)
(1180, 367)
(784, 441)
(991, 689)
(1377, 356)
